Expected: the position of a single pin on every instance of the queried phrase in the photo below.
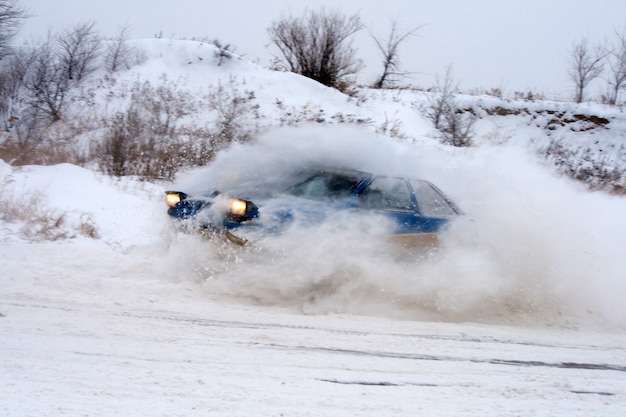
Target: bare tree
(7, 89)
(616, 76)
(585, 66)
(13, 72)
(47, 84)
(391, 57)
(317, 45)
(11, 16)
(21, 103)
(117, 52)
(79, 48)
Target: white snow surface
(108, 310)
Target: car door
(392, 197)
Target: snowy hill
(108, 310)
(188, 93)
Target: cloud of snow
(532, 249)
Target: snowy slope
(589, 131)
(107, 310)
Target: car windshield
(328, 185)
(430, 201)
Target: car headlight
(239, 207)
(242, 210)
(174, 197)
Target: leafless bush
(441, 101)
(317, 45)
(391, 127)
(121, 144)
(234, 109)
(494, 92)
(33, 91)
(459, 127)
(137, 140)
(39, 82)
(528, 96)
(20, 120)
(223, 51)
(162, 106)
(149, 139)
(128, 149)
(453, 123)
(35, 86)
(40, 77)
(118, 53)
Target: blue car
(416, 210)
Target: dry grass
(38, 221)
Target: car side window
(386, 193)
(326, 186)
(430, 202)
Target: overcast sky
(514, 45)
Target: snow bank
(121, 212)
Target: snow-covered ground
(107, 310)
